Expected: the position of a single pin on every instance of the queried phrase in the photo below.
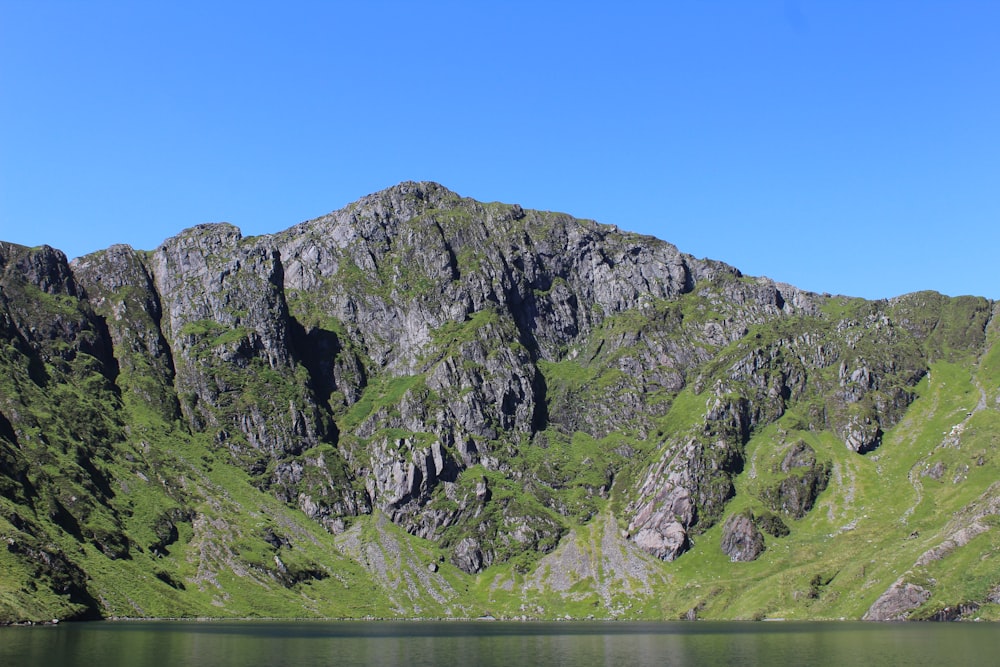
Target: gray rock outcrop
(741, 540)
(897, 602)
(479, 375)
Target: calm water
(248, 644)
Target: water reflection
(250, 644)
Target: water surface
(275, 643)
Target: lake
(473, 643)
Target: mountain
(422, 405)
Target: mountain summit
(425, 405)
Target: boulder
(741, 540)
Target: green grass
(109, 492)
(858, 537)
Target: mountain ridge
(470, 387)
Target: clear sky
(842, 146)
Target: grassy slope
(239, 552)
(870, 526)
(876, 518)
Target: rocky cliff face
(486, 377)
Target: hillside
(422, 405)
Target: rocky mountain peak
(419, 368)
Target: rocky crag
(424, 405)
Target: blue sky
(849, 147)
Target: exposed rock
(957, 539)
(771, 524)
(935, 472)
(122, 291)
(956, 612)
(403, 473)
(861, 434)
(611, 565)
(741, 540)
(47, 310)
(468, 557)
(660, 525)
(225, 316)
(480, 375)
(796, 494)
(800, 455)
(897, 602)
